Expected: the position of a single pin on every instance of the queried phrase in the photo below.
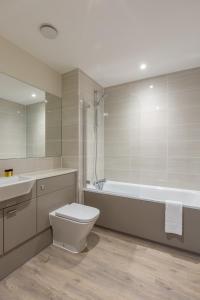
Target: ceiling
(19, 92)
(108, 39)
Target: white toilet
(71, 225)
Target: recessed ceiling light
(151, 86)
(48, 31)
(33, 95)
(143, 66)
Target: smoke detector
(48, 31)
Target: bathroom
(99, 149)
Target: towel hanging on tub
(174, 217)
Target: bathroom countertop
(49, 173)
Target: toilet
(71, 225)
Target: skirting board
(18, 256)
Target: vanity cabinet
(53, 193)
(24, 220)
(1, 232)
(19, 224)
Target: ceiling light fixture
(48, 31)
(151, 86)
(33, 95)
(143, 66)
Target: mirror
(30, 121)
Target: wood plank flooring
(115, 266)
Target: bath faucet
(99, 184)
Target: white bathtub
(189, 198)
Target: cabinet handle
(11, 212)
(42, 187)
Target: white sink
(15, 186)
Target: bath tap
(99, 184)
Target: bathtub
(139, 210)
(188, 198)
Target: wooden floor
(114, 266)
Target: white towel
(173, 217)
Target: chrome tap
(99, 184)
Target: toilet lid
(77, 212)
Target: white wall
(23, 66)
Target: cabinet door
(1, 232)
(19, 224)
(50, 202)
(55, 183)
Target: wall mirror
(30, 121)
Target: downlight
(48, 31)
(143, 67)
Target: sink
(14, 186)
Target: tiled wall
(152, 131)
(70, 119)
(12, 129)
(53, 124)
(30, 164)
(77, 125)
(87, 86)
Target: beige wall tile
(70, 161)
(70, 147)
(78, 125)
(184, 80)
(184, 115)
(149, 164)
(184, 181)
(157, 130)
(153, 148)
(151, 177)
(70, 118)
(29, 165)
(184, 98)
(184, 148)
(86, 90)
(184, 132)
(184, 165)
(120, 175)
(118, 163)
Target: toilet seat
(78, 212)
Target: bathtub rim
(124, 195)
